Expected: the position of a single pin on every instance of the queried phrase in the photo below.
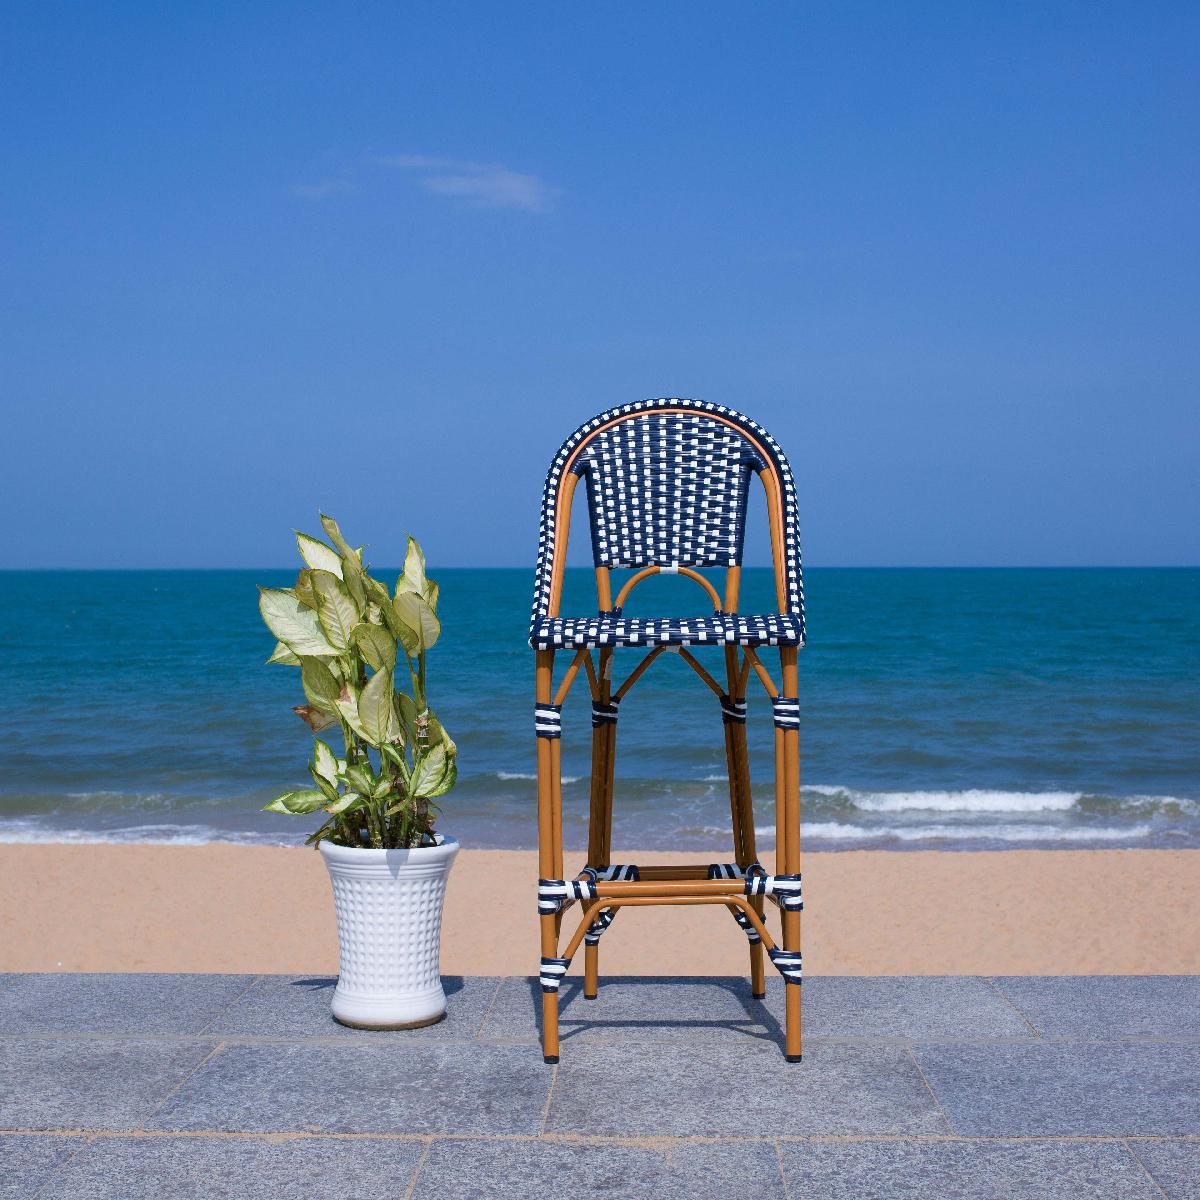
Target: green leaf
(448, 780)
(345, 803)
(282, 654)
(337, 612)
(395, 755)
(324, 762)
(334, 534)
(428, 771)
(361, 778)
(297, 627)
(431, 593)
(320, 687)
(303, 589)
(375, 708)
(436, 732)
(296, 803)
(318, 555)
(406, 710)
(413, 579)
(376, 645)
(347, 706)
(418, 619)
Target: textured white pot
(389, 919)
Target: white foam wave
(510, 775)
(970, 800)
(28, 833)
(832, 831)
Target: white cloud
(486, 185)
(322, 190)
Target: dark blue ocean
(941, 708)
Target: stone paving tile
(662, 1090)
(27, 1160)
(297, 1006)
(1108, 1006)
(1174, 1164)
(473, 1170)
(964, 1170)
(129, 1005)
(1048, 1089)
(917, 1008)
(628, 1009)
(240, 1168)
(425, 1087)
(48, 1084)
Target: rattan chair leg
(548, 856)
(790, 839)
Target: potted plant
(358, 646)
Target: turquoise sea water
(940, 708)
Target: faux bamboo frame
(669, 885)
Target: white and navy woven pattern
(733, 871)
(552, 972)
(555, 894)
(607, 629)
(787, 963)
(785, 890)
(685, 501)
(617, 873)
(667, 489)
(744, 921)
(604, 713)
(547, 720)
(604, 918)
(733, 712)
(786, 711)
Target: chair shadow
(760, 1023)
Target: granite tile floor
(242, 1086)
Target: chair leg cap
(551, 1059)
(758, 995)
(794, 1057)
(595, 997)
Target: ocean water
(940, 708)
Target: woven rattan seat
(607, 629)
(667, 483)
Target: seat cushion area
(606, 629)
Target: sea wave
(834, 831)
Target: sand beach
(262, 909)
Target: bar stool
(667, 485)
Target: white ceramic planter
(389, 918)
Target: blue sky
(380, 259)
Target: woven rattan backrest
(667, 485)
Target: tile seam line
(84, 1143)
(783, 1176)
(549, 1097)
(213, 1051)
(1137, 1158)
(250, 986)
(86, 1136)
(912, 1054)
(991, 982)
(487, 1012)
(420, 1166)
